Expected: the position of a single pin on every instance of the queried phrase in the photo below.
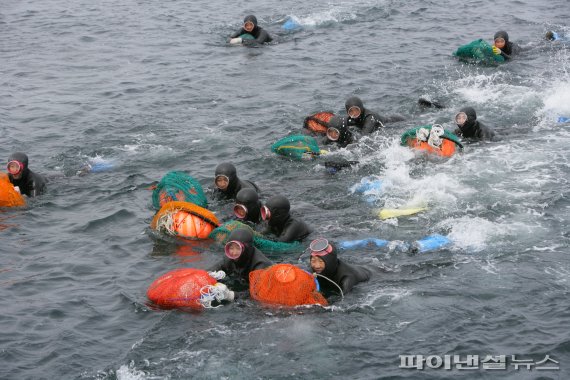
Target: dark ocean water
(152, 87)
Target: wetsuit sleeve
(485, 133)
(238, 33)
(372, 123)
(262, 37)
(347, 283)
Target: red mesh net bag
(184, 219)
(9, 197)
(318, 122)
(180, 288)
(284, 285)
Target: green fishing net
(222, 233)
(479, 51)
(178, 186)
(297, 147)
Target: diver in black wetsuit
(470, 127)
(248, 206)
(281, 223)
(324, 261)
(250, 27)
(227, 182)
(502, 46)
(28, 182)
(241, 256)
(338, 132)
(358, 116)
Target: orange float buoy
(447, 148)
(185, 220)
(9, 197)
(180, 288)
(284, 285)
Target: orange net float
(284, 285)
(447, 148)
(9, 197)
(318, 122)
(185, 220)
(180, 288)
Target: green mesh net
(222, 233)
(411, 134)
(297, 147)
(178, 186)
(479, 51)
(247, 36)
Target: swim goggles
(320, 247)
(15, 167)
(240, 211)
(233, 243)
(500, 40)
(265, 213)
(248, 25)
(461, 118)
(354, 110)
(333, 134)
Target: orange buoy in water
(447, 148)
(184, 219)
(180, 288)
(318, 122)
(284, 285)
(9, 197)
(187, 225)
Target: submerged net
(297, 147)
(180, 288)
(222, 233)
(479, 51)
(284, 285)
(185, 220)
(9, 197)
(318, 122)
(178, 186)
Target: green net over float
(431, 139)
(265, 245)
(178, 186)
(298, 147)
(478, 51)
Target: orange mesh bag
(284, 285)
(318, 122)
(447, 148)
(185, 220)
(180, 288)
(9, 197)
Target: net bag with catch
(9, 197)
(284, 285)
(178, 186)
(297, 147)
(180, 288)
(318, 122)
(185, 220)
(478, 51)
(222, 233)
(431, 139)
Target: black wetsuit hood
(30, 183)
(331, 264)
(279, 208)
(253, 19)
(470, 124)
(508, 48)
(250, 199)
(250, 259)
(235, 184)
(355, 101)
(473, 128)
(345, 135)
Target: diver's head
(249, 23)
(323, 259)
(247, 204)
(240, 245)
(466, 118)
(501, 39)
(17, 164)
(354, 107)
(226, 177)
(276, 210)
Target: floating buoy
(180, 288)
(9, 197)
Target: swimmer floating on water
(503, 47)
(228, 183)
(281, 223)
(248, 206)
(25, 181)
(250, 28)
(469, 127)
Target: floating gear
(300, 147)
(285, 285)
(318, 122)
(478, 51)
(185, 220)
(180, 288)
(9, 197)
(442, 142)
(178, 186)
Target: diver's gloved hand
(236, 41)
(17, 188)
(496, 50)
